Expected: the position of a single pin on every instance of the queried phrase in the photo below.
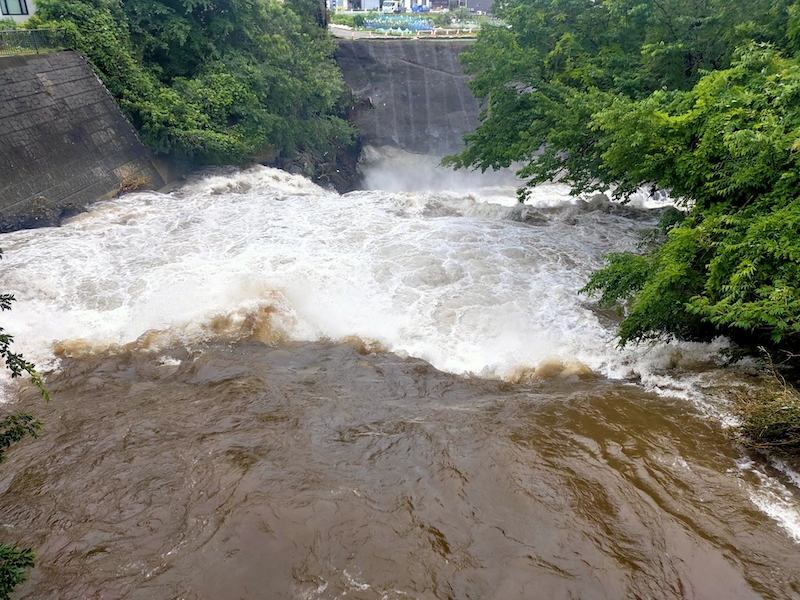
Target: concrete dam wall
(63, 141)
(414, 95)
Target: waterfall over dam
(414, 94)
(265, 389)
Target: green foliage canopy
(698, 98)
(561, 61)
(213, 83)
(728, 148)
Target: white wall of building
(12, 8)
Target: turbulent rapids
(263, 389)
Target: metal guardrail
(27, 41)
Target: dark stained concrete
(63, 141)
(420, 99)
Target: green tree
(692, 97)
(729, 149)
(561, 61)
(215, 83)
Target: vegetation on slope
(216, 83)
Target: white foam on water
(443, 276)
(394, 170)
(772, 496)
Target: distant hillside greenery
(215, 83)
(698, 98)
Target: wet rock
(527, 214)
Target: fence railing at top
(27, 41)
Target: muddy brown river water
(230, 419)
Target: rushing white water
(442, 275)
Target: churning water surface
(263, 389)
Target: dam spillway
(414, 93)
(265, 389)
(64, 143)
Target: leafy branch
(14, 561)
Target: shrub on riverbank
(728, 149)
(770, 419)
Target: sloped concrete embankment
(63, 141)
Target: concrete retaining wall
(419, 97)
(63, 141)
